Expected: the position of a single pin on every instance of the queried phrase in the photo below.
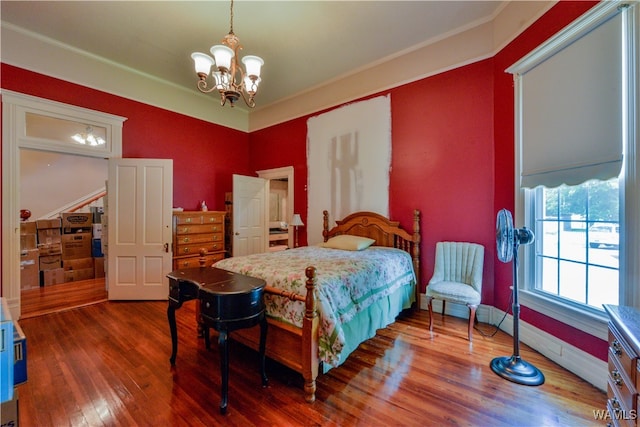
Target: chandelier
(228, 78)
(88, 138)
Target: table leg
(171, 315)
(263, 344)
(224, 369)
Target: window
(576, 179)
(577, 245)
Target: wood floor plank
(107, 364)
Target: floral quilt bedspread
(347, 283)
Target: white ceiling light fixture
(88, 138)
(230, 80)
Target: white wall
(50, 181)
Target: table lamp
(296, 221)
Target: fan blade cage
(504, 235)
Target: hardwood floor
(60, 297)
(107, 364)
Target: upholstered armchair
(457, 278)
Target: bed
(315, 321)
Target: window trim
(629, 184)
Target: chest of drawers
(195, 232)
(623, 381)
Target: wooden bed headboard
(384, 231)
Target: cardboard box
(28, 241)
(50, 249)
(29, 272)
(77, 220)
(98, 267)
(50, 262)
(9, 411)
(49, 235)
(28, 227)
(48, 223)
(76, 275)
(76, 245)
(77, 264)
(19, 355)
(52, 277)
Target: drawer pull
(615, 374)
(615, 404)
(617, 348)
(186, 240)
(185, 250)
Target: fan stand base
(514, 369)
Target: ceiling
(304, 44)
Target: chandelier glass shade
(221, 72)
(88, 138)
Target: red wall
(204, 155)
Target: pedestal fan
(508, 239)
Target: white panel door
(139, 207)
(249, 215)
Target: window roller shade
(572, 111)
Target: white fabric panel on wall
(571, 111)
(348, 156)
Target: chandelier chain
(231, 19)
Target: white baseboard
(581, 363)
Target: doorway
(282, 209)
(50, 183)
(21, 115)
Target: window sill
(591, 323)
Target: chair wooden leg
(444, 302)
(430, 313)
(472, 316)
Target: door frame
(279, 173)
(15, 107)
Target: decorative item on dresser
(624, 379)
(195, 231)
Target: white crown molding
(34, 52)
(456, 49)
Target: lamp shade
(202, 62)
(296, 220)
(252, 64)
(222, 54)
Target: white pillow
(348, 242)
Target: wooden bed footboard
(294, 347)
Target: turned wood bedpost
(310, 326)
(325, 225)
(416, 252)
